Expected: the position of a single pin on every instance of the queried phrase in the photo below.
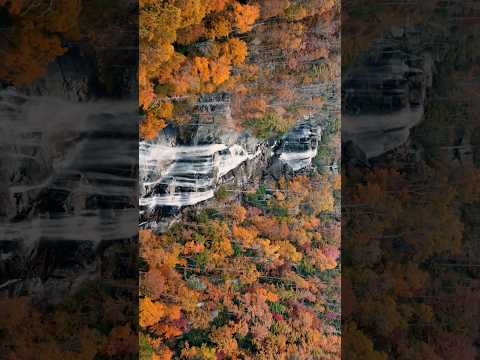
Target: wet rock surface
(176, 173)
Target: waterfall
(185, 175)
(178, 176)
(175, 174)
(68, 169)
(300, 145)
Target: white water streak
(54, 145)
(189, 174)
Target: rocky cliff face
(184, 166)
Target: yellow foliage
(174, 312)
(119, 339)
(203, 353)
(220, 70)
(311, 223)
(245, 272)
(223, 337)
(268, 295)
(35, 37)
(300, 237)
(163, 354)
(337, 182)
(322, 199)
(238, 212)
(158, 22)
(217, 5)
(245, 16)
(200, 65)
(270, 250)
(151, 126)
(321, 261)
(218, 27)
(288, 251)
(190, 34)
(246, 235)
(164, 110)
(236, 50)
(191, 247)
(192, 11)
(150, 312)
(272, 8)
(188, 299)
(166, 330)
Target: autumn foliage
(188, 48)
(405, 231)
(259, 278)
(34, 38)
(246, 284)
(87, 325)
(258, 51)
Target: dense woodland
(252, 279)
(260, 53)
(253, 273)
(256, 275)
(410, 280)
